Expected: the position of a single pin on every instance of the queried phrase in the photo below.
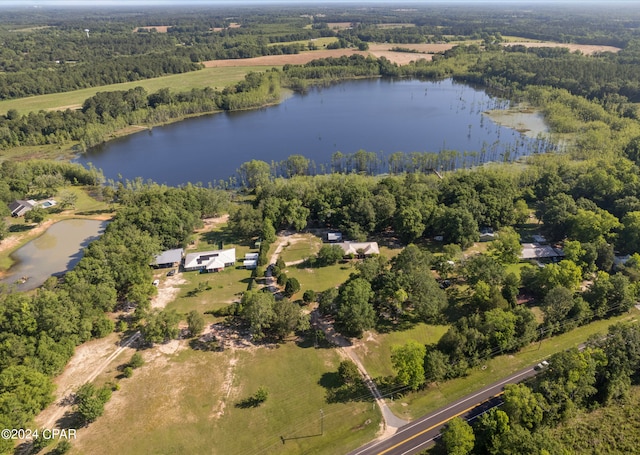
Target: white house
(210, 261)
(359, 248)
(537, 251)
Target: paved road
(420, 434)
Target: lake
(56, 251)
(377, 115)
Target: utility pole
(321, 422)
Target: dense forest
(587, 200)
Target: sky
(300, 2)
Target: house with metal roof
(169, 258)
(210, 261)
(359, 249)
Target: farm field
(209, 77)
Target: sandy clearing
(159, 28)
(168, 290)
(89, 360)
(279, 60)
(587, 49)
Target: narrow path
(66, 403)
(390, 421)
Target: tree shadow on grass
(339, 392)
(398, 325)
(20, 227)
(226, 236)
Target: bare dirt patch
(339, 25)
(89, 360)
(168, 290)
(377, 50)
(279, 60)
(159, 28)
(587, 49)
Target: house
(539, 239)
(334, 237)
(487, 235)
(210, 261)
(19, 208)
(359, 249)
(169, 258)
(535, 251)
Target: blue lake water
(376, 115)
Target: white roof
(210, 259)
(251, 256)
(366, 247)
(250, 263)
(537, 251)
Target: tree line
(575, 381)
(40, 331)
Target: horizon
(175, 3)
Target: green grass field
(185, 403)
(209, 77)
(305, 246)
(319, 42)
(376, 354)
(319, 278)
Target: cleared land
(217, 78)
(586, 49)
(184, 401)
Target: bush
(309, 296)
(136, 361)
(291, 287)
(282, 279)
(127, 372)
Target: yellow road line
(437, 425)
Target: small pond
(56, 251)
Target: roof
(334, 236)
(216, 259)
(537, 251)
(367, 248)
(20, 207)
(250, 263)
(169, 256)
(251, 256)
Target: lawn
(376, 353)
(209, 77)
(319, 42)
(185, 402)
(320, 278)
(304, 246)
(434, 397)
(225, 287)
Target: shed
(251, 256)
(334, 236)
(250, 264)
(169, 258)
